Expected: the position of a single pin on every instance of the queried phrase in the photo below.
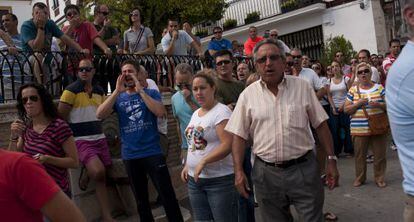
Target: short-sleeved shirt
(250, 44)
(162, 122)
(400, 100)
(131, 37)
(84, 35)
(109, 33)
(310, 76)
(228, 91)
(203, 139)
(339, 91)
(138, 125)
(218, 45)
(359, 122)
(183, 112)
(388, 61)
(50, 142)
(180, 45)
(279, 126)
(25, 187)
(29, 32)
(82, 118)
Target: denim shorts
(213, 199)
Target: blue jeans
(246, 206)
(342, 120)
(213, 199)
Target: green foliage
(229, 23)
(252, 17)
(334, 45)
(289, 4)
(202, 33)
(157, 12)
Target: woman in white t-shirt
(338, 89)
(209, 168)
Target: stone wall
(120, 194)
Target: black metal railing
(57, 69)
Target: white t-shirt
(339, 91)
(311, 76)
(162, 122)
(180, 45)
(202, 139)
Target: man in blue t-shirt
(217, 43)
(400, 99)
(37, 34)
(138, 108)
(183, 103)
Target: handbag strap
(363, 106)
(141, 32)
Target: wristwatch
(333, 157)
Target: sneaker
(394, 147)
(370, 158)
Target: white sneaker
(393, 147)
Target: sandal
(330, 216)
(83, 180)
(381, 184)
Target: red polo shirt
(250, 43)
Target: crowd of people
(266, 136)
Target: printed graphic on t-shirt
(195, 138)
(134, 112)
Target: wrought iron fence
(57, 69)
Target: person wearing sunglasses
(106, 31)
(274, 34)
(40, 133)
(228, 89)
(138, 39)
(218, 43)
(183, 103)
(365, 56)
(274, 112)
(78, 105)
(369, 96)
(176, 41)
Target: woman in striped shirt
(371, 96)
(41, 134)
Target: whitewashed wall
(22, 9)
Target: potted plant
(252, 17)
(288, 5)
(229, 24)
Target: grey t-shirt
(131, 36)
(180, 46)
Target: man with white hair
(400, 97)
(274, 34)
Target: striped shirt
(82, 118)
(359, 122)
(50, 142)
(279, 125)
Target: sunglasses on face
(365, 71)
(223, 62)
(70, 14)
(184, 85)
(105, 13)
(32, 98)
(218, 32)
(271, 58)
(133, 14)
(85, 69)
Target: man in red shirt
(27, 192)
(395, 48)
(251, 41)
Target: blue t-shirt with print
(138, 125)
(29, 32)
(183, 112)
(218, 45)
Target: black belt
(287, 163)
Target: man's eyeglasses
(105, 13)
(297, 57)
(85, 69)
(271, 58)
(225, 62)
(183, 85)
(365, 71)
(32, 98)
